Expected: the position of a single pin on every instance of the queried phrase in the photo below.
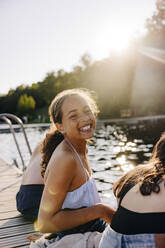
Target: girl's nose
(85, 117)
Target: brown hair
(147, 175)
(54, 137)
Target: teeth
(85, 128)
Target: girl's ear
(60, 128)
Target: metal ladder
(7, 118)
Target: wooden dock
(13, 227)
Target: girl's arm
(159, 240)
(59, 178)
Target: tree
(86, 60)
(26, 104)
(156, 24)
(47, 88)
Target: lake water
(116, 149)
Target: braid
(51, 141)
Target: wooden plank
(5, 170)
(8, 198)
(9, 171)
(8, 214)
(16, 216)
(12, 190)
(8, 184)
(3, 162)
(4, 197)
(15, 241)
(10, 195)
(23, 246)
(10, 207)
(13, 222)
(10, 181)
(10, 178)
(15, 231)
(13, 227)
(10, 175)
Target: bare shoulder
(62, 157)
(162, 192)
(62, 162)
(135, 201)
(37, 149)
(35, 154)
(159, 197)
(32, 175)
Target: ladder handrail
(5, 117)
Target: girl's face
(78, 120)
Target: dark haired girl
(140, 217)
(70, 201)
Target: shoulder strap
(125, 190)
(70, 144)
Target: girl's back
(32, 174)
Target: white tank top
(84, 196)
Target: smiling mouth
(86, 128)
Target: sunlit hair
(148, 175)
(54, 137)
(55, 107)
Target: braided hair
(148, 176)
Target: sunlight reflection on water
(113, 152)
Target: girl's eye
(73, 116)
(88, 111)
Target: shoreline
(100, 122)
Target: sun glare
(114, 39)
(117, 43)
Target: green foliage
(111, 79)
(26, 104)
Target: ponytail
(52, 140)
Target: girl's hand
(106, 212)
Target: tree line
(110, 79)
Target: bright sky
(39, 36)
